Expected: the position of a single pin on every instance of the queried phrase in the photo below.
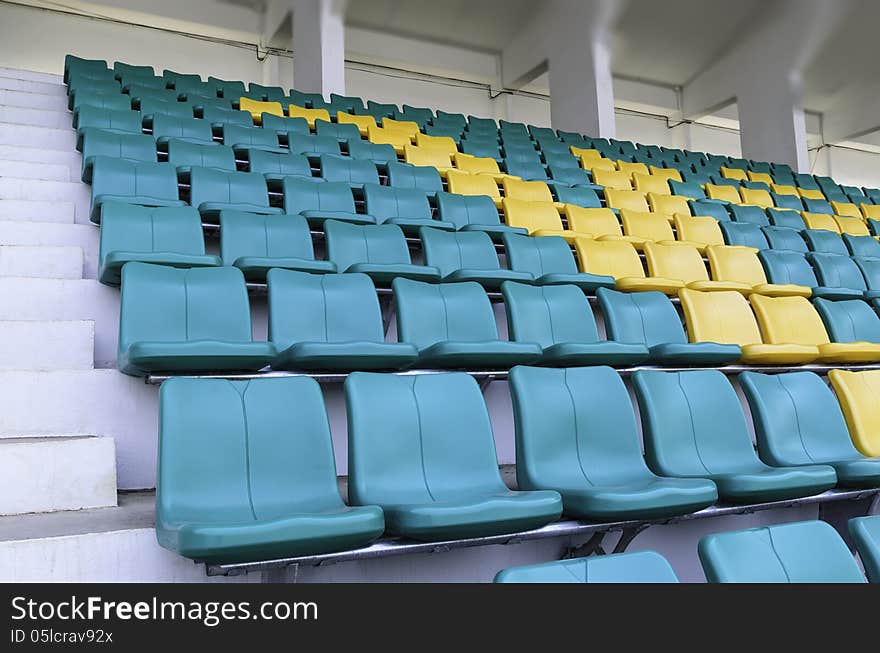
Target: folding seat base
(495, 231)
(489, 279)
(411, 226)
(346, 356)
(597, 353)
(857, 473)
(296, 535)
(317, 218)
(241, 147)
(111, 270)
(779, 354)
(714, 286)
(97, 203)
(480, 516)
(589, 283)
(850, 352)
(638, 284)
(256, 267)
(468, 355)
(782, 290)
(210, 211)
(385, 274)
(708, 354)
(276, 179)
(570, 236)
(195, 356)
(835, 294)
(775, 483)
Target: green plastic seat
(406, 175)
(421, 447)
(189, 130)
(347, 103)
(408, 208)
(849, 320)
(453, 326)
(251, 138)
(174, 79)
(650, 319)
(785, 267)
(549, 259)
(640, 567)
(195, 320)
(99, 103)
(74, 65)
(320, 201)
(246, 473)
(379, 251)
(839, 271)
(121, 69)
(560, 320)
(164, 236)
(256, 243)
(85, 86)
(802, 552)
(212, 191)
(799, 422)
(275, 166)
(865, 533)
(130, 147)
(285, 127)
(312, 145)
(330, 322)
(825, 242)
(474, 213)
(694, 427)
(219, 116)
(133, 182)
(380, 110)
(576, 433)
(184, 156)
(91, 118)
(227, 89)
(467, 256)
(140, 92)
(870, 268)
(308, 100)
(150, 107)
(862, 246)
(378, 153)
(341, 132)
(785, 239)
(744, 234)
(354, 172)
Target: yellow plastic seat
(811, 193)
(477, 165)
(396, 138)
(619, 259)
(585, 153)
(669, 205)
(870, 211)
(601, 223)
(781, 189)
(363, 122)
(611, 179)
(684, 262)
(857, 393)
(311, 115)
(257, 109)
(851, 225)
(644, 227)
(428, 156)
(631, 200)
(846, 209)
(795, 321)
(443, 143)
(740, 264)
(726, 193)
(820, 221)
(540, 218)
(631, 168)
(465, 183)
(756, 197)
(726, 318)
(651, 184)
(598, 164)
(762, 177)
(407, 127)
(734, 173)
(532, 191)
(700, 231)
(666, 173)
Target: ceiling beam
(852, 114)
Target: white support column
(772, 125)
(319, 46)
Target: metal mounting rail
(399, 546)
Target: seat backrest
(849, 320)
(348, 244)
(584, 197)
(449, 251)
(271, 454)
(857, 393)
(821, 207)
(165, 126)
(687, 189)
(222, 115)
(644, 318)
(249, 234)
(788, 267)
(597, 221)
(122, 178)
(640, 567)
(133, 228)
(862, 246)
(837, 271)
(707, 208)
(786, 218)
(758, 197)
(723, 317)
(548, 315)
(802, 552)
(121, 120)
(789, 321)
(277, 163)
(787, 201)
(341, 132)
(649, 226)
(750, 214)
(154, 106)
(675, 262)
(404, 175)
(468, 184)
(821, 240)
(418, 439)
(870, 268)
(785, 239)
(308, 144)
(426, 156)
(632, 200)
(462, 210)
(302, 195)
(244, 136)
(534, 191)
(701, 229)
(431, 313)
(375, 152)
(726, 193)
(668, 205)
(539, 255)
(134, 147)
(210, 185)
(385, 202)
(613, 258)
(203, 155)
(531, 214)
(530, 171)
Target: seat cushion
(650, 498)
(495, 231)
(385, 274)
(317, 218)
(111, 270)
(196, 356)
(489, 279)
(144, 200)
(263, 148)
(638, 284)
(212, 209)
(835, 294)
(594, 353)
(411, 226)
(256, 267)
(775, 483)
(849, 352)
(346, 356)
(478, 516)
(782, 290)
(500, 354)
(858, 472)
(779, 354)
(710, 354)
(589, 283)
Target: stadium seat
(403, 175)
(560, 320)
(734, 173)
(792, 202)
(726, 193)
(851, 226)
(550, 261)
(479, 166)
(473, 213)
(165, 236)
(865, 532)
(398, 139)
(650, 184)
(800, 552)
(428, 156)
(218, 117)
(356, 173)
(612, 179)
(687, 189)
(184, 156)
(310, 115)
(578, 196)
(112, 121)
(312, 146)
(668, 205)
(709, 208)
(799, 422)
(785, 218)
(631, 200)
(741, 265)
(341, 132)
(820, 221)
(467, 256)
(619, 259)
(195, 320)
(347, 103)
(128, 147)
(404, 430)
(824, 242)
(212, 191)
(640, 567)
(685, 263)
(862, 246)
(857, 394)
(275, 167)
(256, 243)
(785, 267)
(649, 318)
(190, 130)
(227, 89)
(362, 122)
(408, 208)
(257, 109)
(870, 211)
(246, 473)
(597, 223)
(379, 251)
(641, 228)
(840, 271)
(694, 427)
(380, 110)
(750, 215)
(540, 218)
(701, 232)
(253, 138)
(760, 198)
(453, 326)
(320, 201)
(148, 184)
(330, 322)
(380, 155)
(783, 238)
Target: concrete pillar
(581, 88)
(772, 124)
(319, 46)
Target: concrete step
(70, 158)
(36, 346)
(31, 86)
(44, 137)
(16, 188)
(101, 403)
(31, 75)
(87, 237)
(36, 117)
(33, 100)
(42, 171)
(40, 475)
(37, 211)
(44, 262)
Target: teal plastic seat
(330, 322)
(579, 196)
(164, 236)
(90, 118)
(100, 103)
(256, 243)
(715, 209)
(246, 473)
(377, 153)
(405, 175)
(212, 191)
(308, 100)
(121, 69)
(354, 172)
(189, 130)
(457, 119)
(381, 110)
(130, 147)
(785, 239)
(802, 552)
(285, 127)
(550, 261)
(694, 427)
(474, 213)
(379, 251)
(142, 93)
(84, 87)
(870, 268)
(825, 242)
(419, 115)
(467, 256)
(453, 326)
(840, 272)
(320, 201)
(251, 138)
(312, 145)
(865, 533)
(799, 422)
(650, 319)
(347, 103)
(793, 268)
(133, 182)
(150, 107)
(640, 567)
(74, 65)
(784, 218)
(421, 447)
(275, 166)
(576, 433)
(265, 91)
(227, 89)
(184, 156)
(481, 148)
(862, 246)
(850, 320)
(219, 116)
(174, 79)
(749, 214)
(195, 320)
(341, 132)
(818, 206)
(560, 320)
(408, 208)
